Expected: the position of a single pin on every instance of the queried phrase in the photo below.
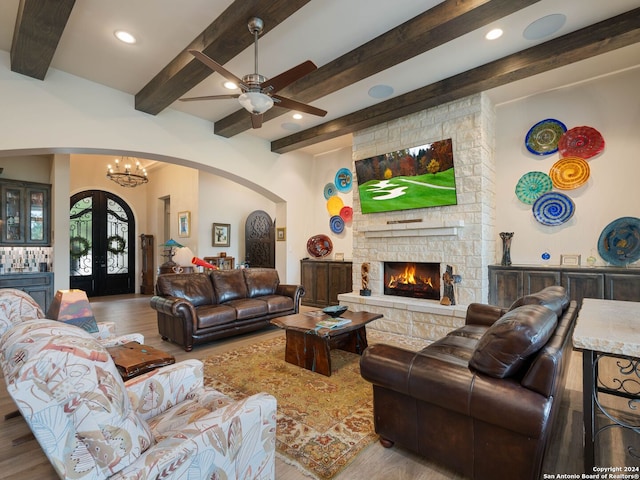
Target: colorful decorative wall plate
(543, 137)
(346, 213)
(619, 242)
(553, 208)
(344, 180)
(319, 246)
(334, 205)
(583, 142)
(329, 190)
(336, 223)
(569, 173)
(531, 185)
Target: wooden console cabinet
(507, 283)
(223, 263)
(323, 280)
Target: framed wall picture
(221, 235)
(184, 224)
(281, 234)
(572, 260)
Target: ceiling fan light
(255, 102)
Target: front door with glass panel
(102, 244)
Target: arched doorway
(259, 238)
(102, 244)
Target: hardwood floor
(132, 313)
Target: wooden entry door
(102, 244)
(260, 240)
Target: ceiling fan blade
(285, 78)
(301, 107)
(256, 120)
(216, 67)
(208, 97)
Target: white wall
(611, 105)
(325, 167)
(66, 114)
(224, 201)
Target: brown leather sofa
(196, 308)
(482, 400)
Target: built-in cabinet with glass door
(25, 213)
(25, 216)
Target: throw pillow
(554, 297)
(510, 341)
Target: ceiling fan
(259, 93)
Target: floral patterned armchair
(17, 306)
(163, 424)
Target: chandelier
(125, 177)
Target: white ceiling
(320, 31)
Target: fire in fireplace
(412, 279)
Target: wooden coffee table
(133, 359)
(309, 347)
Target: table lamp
(170, 247)
(72, 306)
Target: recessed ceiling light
(230, 85)
(380, 91)
(545, 26)
(494, 34)
(297, 116)
(125, 37)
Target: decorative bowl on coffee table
(334, 311)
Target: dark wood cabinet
(583, 284)
(38, 285)
(25, 213)
(507, 283)
(323, 281)
(620, 286)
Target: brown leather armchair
(482, 400)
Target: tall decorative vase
(506, 247)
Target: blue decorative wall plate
(329, 190)
(531, 185)
(543, 137)
(619, 242)
(336, 223)
(344, 180)
(553, 209)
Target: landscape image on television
(415, 177)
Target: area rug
(322, 422)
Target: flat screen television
(417, 177)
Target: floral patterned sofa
(163, 424)
(17, 306)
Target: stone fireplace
(412, 279)
(461, 235)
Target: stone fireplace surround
(461, 235)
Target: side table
(608, 329)
(133, 359)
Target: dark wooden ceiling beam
(39, 26)
(605, 36)
(225, 38)
(437, 26)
